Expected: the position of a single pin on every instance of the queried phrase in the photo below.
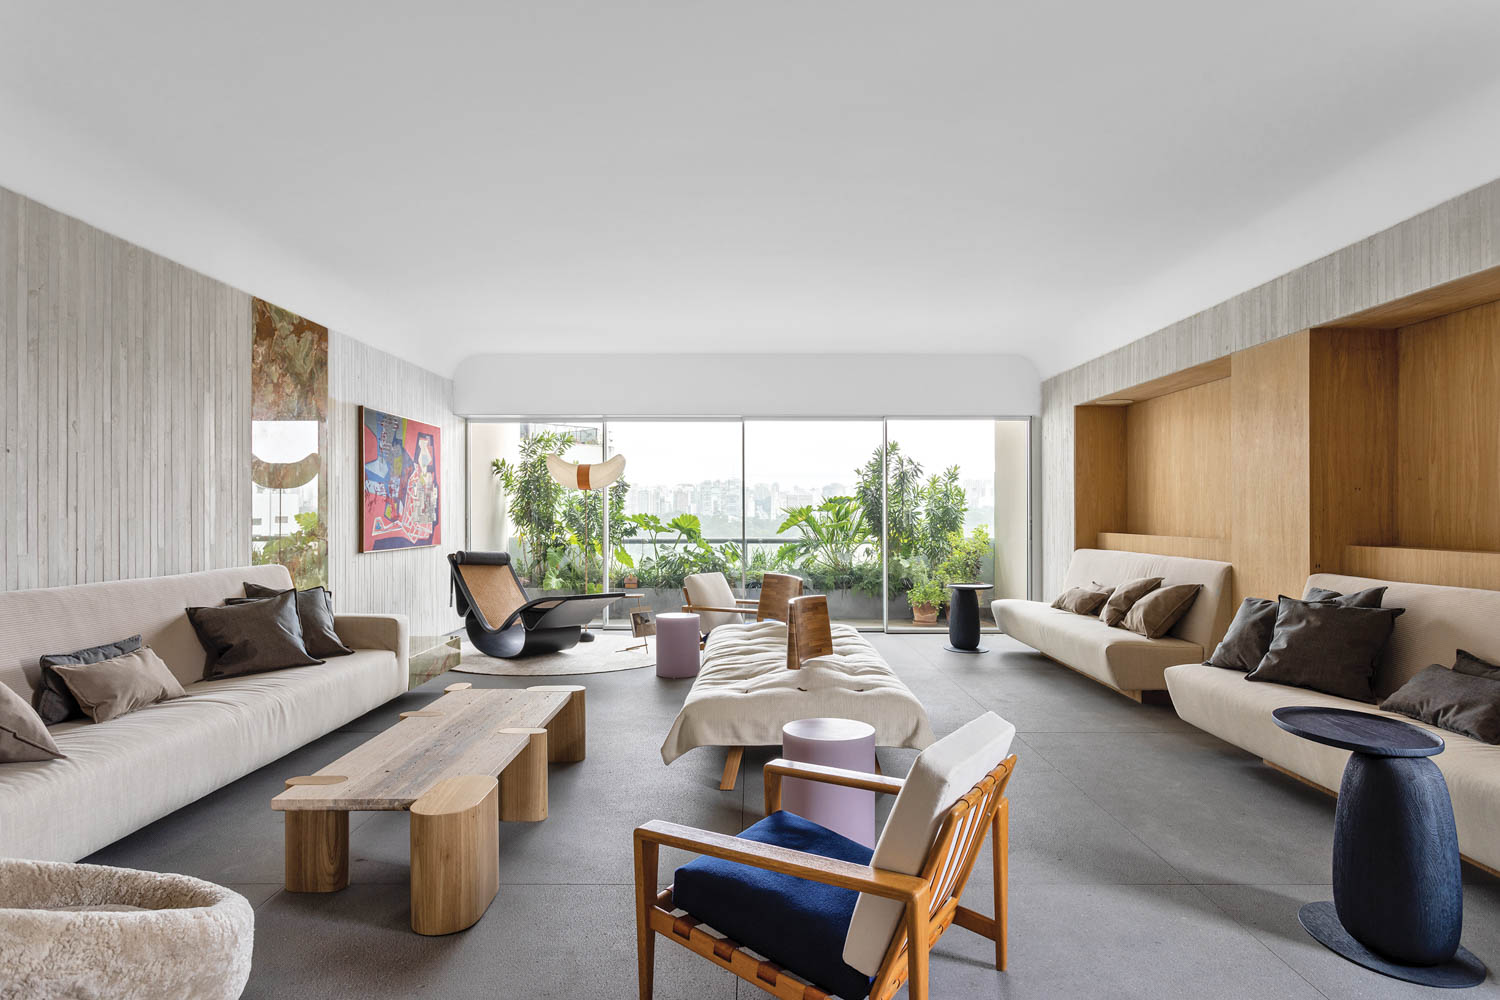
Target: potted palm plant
(926, 598)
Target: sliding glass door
(878, 514)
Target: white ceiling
(447, 179)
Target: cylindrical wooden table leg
(523, 783)
(317, 850)
(455, 854)
(567, 733)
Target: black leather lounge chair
(503, 622)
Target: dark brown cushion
(1248, 638)
(116, 687)
(1154, 615)
(1467, 663)
(251, 638)
(1083, 600)
(1461, 703)
(314, 613)
(1326, 647)
(23, 736)
(1124, 596)
(52, 699)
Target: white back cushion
(943, 773)
(711, 590)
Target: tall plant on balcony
(534, 500)
(903, 496)
(944, 505)
(831, 536)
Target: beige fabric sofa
(1124, 660)
(121, 775)
(1438, 621)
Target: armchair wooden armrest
(815, 868)
(781, 768)
(693, 608)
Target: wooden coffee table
(462, 764)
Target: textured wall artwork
(401, 499)
(288, 431)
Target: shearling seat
(71, 930)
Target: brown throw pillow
(52, 700)
(1154, 615)
(23, 736)
(314, 614)
(251, 638)
(1461, 703)
(1083, 600)
(1124, 596)
(1326, 647)
(1475, 666)
(115, 687)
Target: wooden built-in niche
(1152, 468)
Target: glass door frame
(1032, 458)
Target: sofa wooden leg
(731, 769)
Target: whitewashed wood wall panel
(413, 581)
(124, 408)
(1451, 241)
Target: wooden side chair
(809, 632)
(804, 913)
(709, 596)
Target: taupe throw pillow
(112, 688)
(251, 638)
(1326, 647)
(1467, 663)
(1124, 596)
(1462, 703)
(314, 614)
(1154, 614)
(1083, 600)
(1248, 638)
(23, 736)
(52, 700)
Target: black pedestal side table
(1398, 901)
(963, 617)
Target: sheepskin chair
(69, 930)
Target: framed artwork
(401, 496)
(642, 623)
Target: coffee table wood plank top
(462, 733)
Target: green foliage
(678, 550)
(832, 537)
(943, 508)
(966, 557)
(927, 592)
(304, 552)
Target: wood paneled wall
(1099, 461)
(412, 581)
(1448, 455)
(1177, 457)
(1458, 238)
(124, 408)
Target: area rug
(605, 654)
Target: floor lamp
(578, 476)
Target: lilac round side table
(677, 644)
(832, 743)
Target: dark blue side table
(1398, 897)
(963, 617)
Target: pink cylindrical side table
(833, 743)
(677, 638)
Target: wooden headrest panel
(809, 633)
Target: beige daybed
(744, 694)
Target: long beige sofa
(1438, 621)
(122, 774)
(1128, 662)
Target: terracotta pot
(924, 614)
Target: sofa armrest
(376, 632)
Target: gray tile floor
(1147, 858)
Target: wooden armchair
(717, 605)
(896, 916)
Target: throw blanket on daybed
(744, 692)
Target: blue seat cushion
(798, 924)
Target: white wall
(950, 382)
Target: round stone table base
(958, 649)
(1322, 922)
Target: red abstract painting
(401, 498)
